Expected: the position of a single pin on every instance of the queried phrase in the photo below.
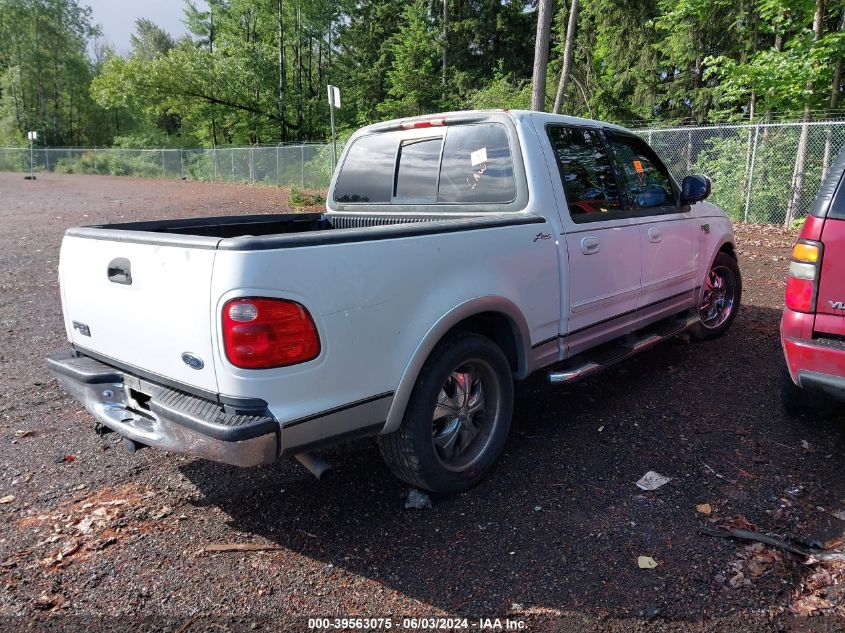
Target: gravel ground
(94, 537)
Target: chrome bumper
(157, 416)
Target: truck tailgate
(144, 305)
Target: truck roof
(469, 115)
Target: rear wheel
(720, 299)
(457, 419)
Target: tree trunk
(567, 56)
(834, 102)
(801, 155)
(445, 38)
(541, 55)
(280, 7)
(299, 67)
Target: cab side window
(585, 169)
(645, 180)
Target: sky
(117, 18)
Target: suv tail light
(260, 333)
(802, 280)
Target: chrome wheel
(466, 415)
(717, 303)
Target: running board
(587, 367)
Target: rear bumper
(816, 364)
(161, 417)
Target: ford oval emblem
(192, 360)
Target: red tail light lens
(799, 294)
(261, 333)
(803, 276)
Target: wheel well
(728, 248)
(498, 328)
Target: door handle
(590, 245)
(654, 235)
(120, 271)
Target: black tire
(410, 451)
(726, 267)
(798, 402)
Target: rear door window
(477, 165)
(588, 178)
(367, 173)
(647, 187)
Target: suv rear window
(472, 165)
(837, 207)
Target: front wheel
(719, 300)
(457, 419)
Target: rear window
(472, 165)
(416, 174)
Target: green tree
(411, 89)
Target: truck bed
(228, 226)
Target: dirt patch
(553, 537)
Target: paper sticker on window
(478, 156)
(638, 166)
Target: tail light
(260, 333)
(802, 280)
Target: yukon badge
(837, 305)
(192, 360)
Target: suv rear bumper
(816, 364)
(158, 416)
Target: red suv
(813, 325)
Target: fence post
(47, 158)
(302, 166)
(252, 164)
(181, 165)
(650, 132)
(232, 156)
(214, 158)
(277, 165)
(751, 174)
(96, 171)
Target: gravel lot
(93, 536)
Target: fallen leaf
(7, 499)
(704, 508)
(646, 562)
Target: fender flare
(436, 333)
(727, 238)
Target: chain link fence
(306, 166)
(766, 172)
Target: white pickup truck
(458, 252)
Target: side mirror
(695, 189)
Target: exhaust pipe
(315, 464)
(132, 446)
